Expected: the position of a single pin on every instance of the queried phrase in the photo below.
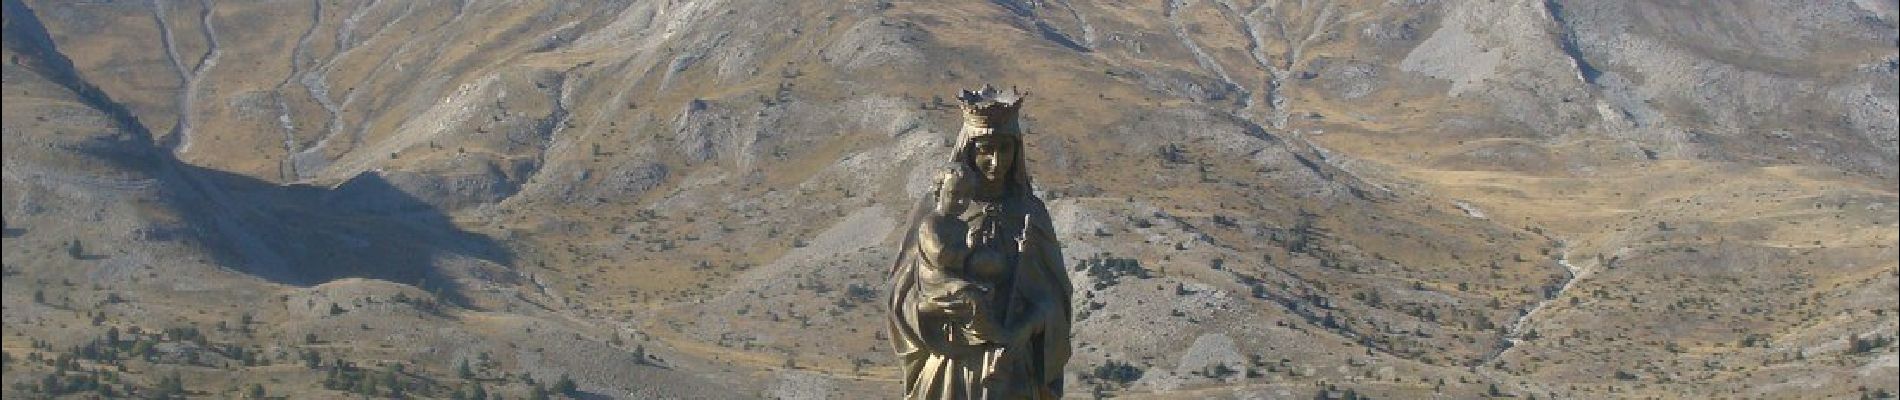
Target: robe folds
(941, 361)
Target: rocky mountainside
(699, 199)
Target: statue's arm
(939, 250)
(942, 248)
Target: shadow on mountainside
(292, 234)
(306, 235)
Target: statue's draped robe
(936, 367)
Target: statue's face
(993, 157)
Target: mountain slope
(1399, 199)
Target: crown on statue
(988, 111)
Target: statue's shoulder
(1038, 213)
(1028, 204)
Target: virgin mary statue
(979, 300)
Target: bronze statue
(979, 301)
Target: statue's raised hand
(1023, 242)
